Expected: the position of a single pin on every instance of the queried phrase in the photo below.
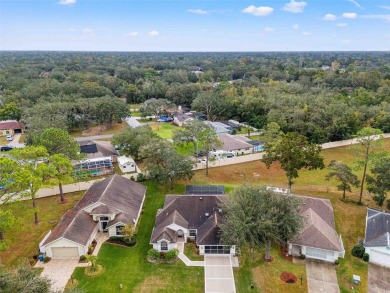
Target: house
(181, 119)
(98, 149)
(236, 144)
(106, 207)
(190, 217)
(127, 164)
(219, 127)
(10, 127)
(318, 238)
(377, 239)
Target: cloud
(306, 34)
(197, 11)
(329, 16)
(67, 2)
(153, 33)
(295, 26)
(350, 15)
(342, 24)
(346, 41)
(269, 29)
(87, 30)
(258, 11)
(295, 6)
(375, 16)
(132, 34)
(88, 33)
(384, 7)
(356, 4)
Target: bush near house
(171, 255)
(366, 257)
(358, 250)
(123, 241)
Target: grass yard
(164, 130)
(190, 251)
(3, 140)
(129, 267)
(99, 130)
(26, 236)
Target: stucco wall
(65, 243)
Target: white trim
(116, 224)
(64, 239)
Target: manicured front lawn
(191, 252)
(129, 267)
(164, 130)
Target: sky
(185, 25)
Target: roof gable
(377, 228)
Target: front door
(104, 223)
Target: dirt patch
(288, 278)
(284, 253)
(152, 284)
(271, 259)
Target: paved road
(321, 277)
(378, 279)
(94, 137)
(218, 272)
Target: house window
(163, 246)
(119, 230)
(192, 233)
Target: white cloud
(375, 16)
(329, 16)
(88, 33)
(356, 4)
(306, 34)
(295, 26)
(132, 34)
(295, 6)
(342, 24)
(258, 11)
(384, 7)
(67, 2)
(197, 11)
(269, 29)
(153, 33)
(350, 15)
(87, 30)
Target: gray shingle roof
(232, 142)
(119, 194)
(208, 232)
(377, 228)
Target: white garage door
(319, 254)
(380, 257)
(65, 252)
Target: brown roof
(208, 232)
(318, 230)
(116, 193)
(9, 124)
(103, 149)
(187, 211)
(233, 142)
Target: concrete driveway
(218, 273)
(321, 277)
(15, 142)
(378, 279)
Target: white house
(126, 164)
(377, 240)
(318, 238)
(190, 217)
(106, 207)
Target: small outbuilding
(126, 164)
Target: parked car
(10, 137)
(165, 119)
(6, 148)
(230, 155)
(202, 160)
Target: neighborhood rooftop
(377, 228)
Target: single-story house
(236, 144)
(10, 127)
(127, 164)
(190, 217)
(106, 207)
(318, 238)
(98, 149)
(181, 119)
(377, 240)
(219, 127)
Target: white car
(10, 137)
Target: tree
(8, 168)
(23, 279)
(255, 216)
(191, 133)
(209, 139)
(212, 104)
(379, 182)
(11, 111)
(7, 221)
(164, 163)
(369, 148)
(293, 152)
(32, 172)
(342, 173)
(156, 107)
(92, 260)
(61, 171)
(110, 109)
(58, 141)
(131, 140)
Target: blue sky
(184, 25)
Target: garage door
(65, 252)
(380, 257)
(318, 253)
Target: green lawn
(164, 130)
(129, 267)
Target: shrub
(366, 257)
(82, 258)
(153, 254)
(46, 259)
(302, 256)
(337, 262)
(132, 178)
(123, 241)
(162, 255)
(358, 250)
(171, 255)
(140, 177)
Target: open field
(164, 130)
(99, 130)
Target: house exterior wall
(65, 243)
(170, 246)
(379, 255)
(4, 132)
(320, 254)
(127, 167)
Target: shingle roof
(115, 193)
(187, 211)
(318, 230)
(9, 124)
(96, 149)
(232, 142)
(377, 228)
(208, 232)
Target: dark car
(6, 148)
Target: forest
(325, 96)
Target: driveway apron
(321, 277)
(218, 272)
(378, 279)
